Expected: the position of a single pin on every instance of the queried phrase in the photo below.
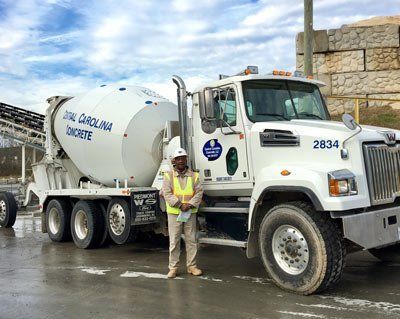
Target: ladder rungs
(235, 210)
(222, 242)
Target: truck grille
(382, 163)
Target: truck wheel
(387, 254)
(119, 222)
(58, 220)
(302, 250)
(8, 209)
(87, 224)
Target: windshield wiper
(310, 115)
(274, 114)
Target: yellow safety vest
(184, 195)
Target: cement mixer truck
(281, 180)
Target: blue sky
(65, 47)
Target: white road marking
(135, 274)
(95, 271)
(301, 314)
(322, 306)
(365, 304)
(263, 281)
(210, 278)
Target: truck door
(221, 156)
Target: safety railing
(358, 100)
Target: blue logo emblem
(212, 150)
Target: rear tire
(119, 222)
(302, 250)
(8, 209)
(87, 224)
(58, 220)
(387, 254)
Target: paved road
(42, 279)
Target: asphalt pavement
(42, 279)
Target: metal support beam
(308, 37)
(23, 161)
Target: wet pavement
(42, 279)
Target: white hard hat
(179, 152)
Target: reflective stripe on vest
(184, 195)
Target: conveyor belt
(22, 125)
(22, 117)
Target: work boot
(172, 273)
(194, 271)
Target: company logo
(390, 137)
(149, 201)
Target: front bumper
(374, 228)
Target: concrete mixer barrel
(114, 132)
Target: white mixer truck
(281, 180)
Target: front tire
(8, 209)
(387, 254)
(58, 220)
(302, 250)
(87, 224)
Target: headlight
(342, 183)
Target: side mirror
(349, 121)
(207, 110)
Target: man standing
(183, 192)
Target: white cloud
(146, 42)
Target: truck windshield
(281, 100)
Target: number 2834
(322, 144)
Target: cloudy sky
(64, 47)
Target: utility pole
(308, 37)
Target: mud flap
(145, 207)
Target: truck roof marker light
(125, 135)
(288, 74)
(285, 172)
(155, 103)
(310, 77)
(122, 89)
(241, 136)
(282, 73)
(132, 177)
(275, 72)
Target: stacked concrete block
(356, 61)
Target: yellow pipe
(356, 111)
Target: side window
(227, 106)
(232, 162)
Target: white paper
(184, 216)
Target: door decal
(212, 149)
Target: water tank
(114, 132)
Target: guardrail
(357, 101)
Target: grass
(383, 116)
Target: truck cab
(285, 182)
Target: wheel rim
(117, 219)
(290, 249)
(81, 228)
(3, 210)
(54, 221)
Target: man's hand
(185, 207)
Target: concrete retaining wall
(356, 61)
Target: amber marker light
(285, 172)
(275, 72)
